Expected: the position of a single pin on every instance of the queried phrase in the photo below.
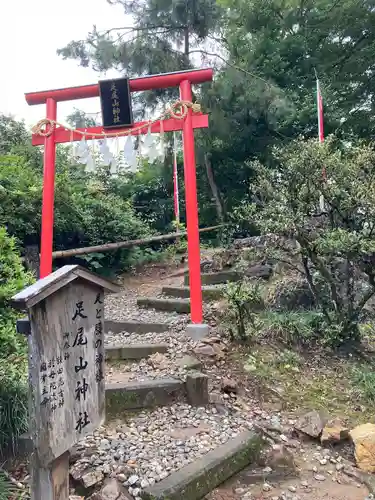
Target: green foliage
(335, 249)
(12, 274)
(151, 191)
(363, 380)
(288, 359)
(244, 299)
(86, 211)
(13, 278)
(14, 139)
(13, 361)
(161, 29)
(8, 491)
(282, 43)
(292, 328)
(13, 401)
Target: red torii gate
(183, 79)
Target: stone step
(163, 391)
(135, 327)
(185, 270)
(133, 351)
(216, 278)
(146, 394)
(181, 306)
(208, 292)
(196, 480)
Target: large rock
(289, 292)
(363, 438)
(263, 271)
(281, 460)
(112, 490)
(204, 350)
(86, 474)
(229, 385)
(334, 432)
(189, 362)
(312, 424)
(215, 351)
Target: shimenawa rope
(178, 110)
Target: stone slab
(133, 351)
(199, 478)
(197, 388)
(189, 362)
(216, 278)
(181, 306)
(135, 327)
(263, 271)
(208, 292)
(147, 394)
(197, 331)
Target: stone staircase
(150, 384)
(177, 298)
(150, 366)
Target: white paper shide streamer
(107, 156)
(130, 155)
(153, 150)
(84, 156)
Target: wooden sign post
(66, 371)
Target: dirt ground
(336, 486)
(328, 491)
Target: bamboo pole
(60, 254)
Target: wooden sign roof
(43, 288)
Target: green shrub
(8, 491)
(13, 359)
(13, 278)
(287, 359)
(244, 300)
(331, 223)
(363, 380)
(87, 211)
(292, 328)
(13, 401)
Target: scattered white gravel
(152, 445)
(155, 366)
(123, 307)
(175, 336)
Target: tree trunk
(214, 189)
(32, 259)
(124, 244)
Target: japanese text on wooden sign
(68, 359)
(116, 103)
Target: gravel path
(123, 306)
(156, 366)
(175, 335)
(152, 445)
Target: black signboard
(116, 103)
